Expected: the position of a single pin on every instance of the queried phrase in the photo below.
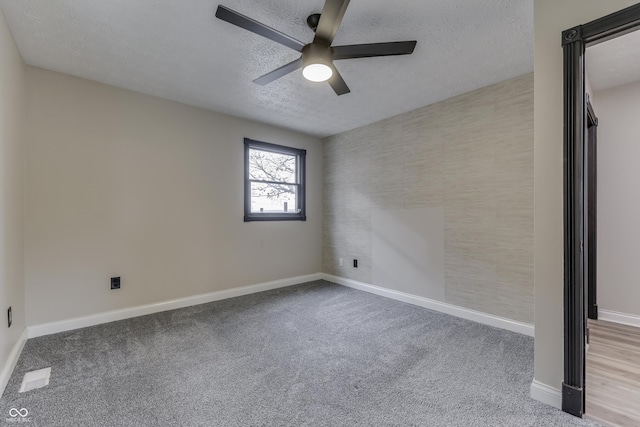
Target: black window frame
(297, 214)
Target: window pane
(269, 198)
(268, 166)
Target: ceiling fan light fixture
(317, 72)
(316, 62)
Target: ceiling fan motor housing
(317, 62)
(317, 53)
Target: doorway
(578, 236)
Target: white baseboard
(454, 310)
(7, 369)
(545, 394)
(614, 316)
(141, 310)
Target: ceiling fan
(318, 56)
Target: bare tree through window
(279, 171)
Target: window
(274, 182)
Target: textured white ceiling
(615, 62)
(178, 50)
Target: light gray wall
(618, 268)
(551, 17)
(123, 184)
(449, 186)
(587, 85)
(12, 114)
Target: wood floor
(613, 374)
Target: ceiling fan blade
(279, 72)
(373, 49)
(338, 84)
(256, 27)
(330, 19)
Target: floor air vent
(35, 379)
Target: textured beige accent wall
(12, 115)
(551, 17)
(471, 155)
(123, 184)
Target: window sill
(274, 217)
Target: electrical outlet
(341, 262)
(355, 263)
(9, 317)
(115, 283)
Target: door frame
(574, 42)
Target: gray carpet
(314, 354)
